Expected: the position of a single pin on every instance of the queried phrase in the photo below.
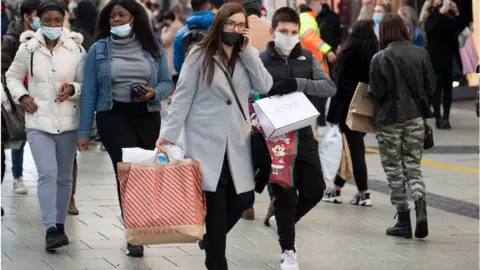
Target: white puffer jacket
(47, 71)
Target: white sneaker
(288, 261)
(19, 186)
(321, 131)
(273, 224)
(332, 196)
(361, 199)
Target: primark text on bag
(162, 203)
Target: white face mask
(285, 43)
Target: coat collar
(34, 40)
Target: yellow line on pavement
(430, 163)
(434, 164)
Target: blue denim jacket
(96, 92)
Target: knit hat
(252, 7)
(49, 6)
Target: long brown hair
(392, 29)
(212, 43)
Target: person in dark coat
(86, 19)
(442, 45)
(402, 81)
(329, 23)
(353, 66)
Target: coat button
(229, 102)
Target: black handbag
(13, 118)
(261, 159)
(428, 141)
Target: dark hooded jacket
(10, 44)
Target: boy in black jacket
(295, 69)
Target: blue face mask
(52, 33)
(35, 25)
(122, 30)
(377, 17)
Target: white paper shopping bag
(281, 114)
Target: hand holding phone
(247, 39)
(144, 93)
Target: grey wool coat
(212, 121)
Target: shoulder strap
(7, 93)
(410, 89)
(237, 100)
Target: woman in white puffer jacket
(53, 60)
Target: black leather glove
(283, 87)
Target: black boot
(439, 123)
(61, 232)
(403, 228)
(53, 239)
(446, 124)
(421, 228)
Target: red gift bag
(283, 150)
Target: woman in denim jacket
(127, 75)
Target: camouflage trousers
(401, 148)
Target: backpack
(194, 34)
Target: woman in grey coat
(215, 131)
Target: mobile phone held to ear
(446, 2)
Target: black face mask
(231, 38)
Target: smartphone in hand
(142, 89)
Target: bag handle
(237, 100)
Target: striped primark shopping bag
(162, 203)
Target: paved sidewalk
(330, 237)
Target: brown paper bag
(346, 168)
(361, 110)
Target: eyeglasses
(231, 25)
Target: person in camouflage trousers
(401, 147)
(402, 82)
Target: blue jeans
(17, 161)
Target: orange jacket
(310, 38)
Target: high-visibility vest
(310, 38)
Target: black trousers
(292, 204)
(357, 152)
(443, 94)
(320, 104)
(224, 209)
(127, 125)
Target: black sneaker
(361, 199)
(61, 232)
(134, 251)
(332, 196)
(53, 239)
